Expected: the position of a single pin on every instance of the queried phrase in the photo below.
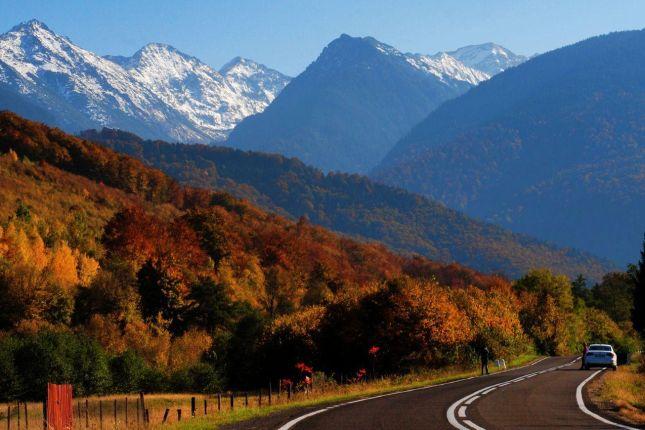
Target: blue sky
(289, 34)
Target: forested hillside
(554, 148)
(354, 205)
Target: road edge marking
(288, 425)
(583, 407)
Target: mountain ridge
(194, 103)
(352, 103)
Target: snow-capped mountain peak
(490, 58)
(158, 92)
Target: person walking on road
(585, 349)
(484, 357)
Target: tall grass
(623, 392)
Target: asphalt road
(539, 396)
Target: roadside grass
(340, 393)
(623, 391)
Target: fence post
(178, 414)
(8, 417)
(246, 399)
(270, 393)
(260, 398)
(192, 407)
(219, 402)
(232, 400)
(205, 407)
(26, 416)
(87, 414)
(126, 412)
(165, 416)
(18, 407)
(115, 413)
(289, 393)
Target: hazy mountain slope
(354, 205)
(554, 147)
(347, 109)
(158, 93)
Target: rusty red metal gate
(60, 411)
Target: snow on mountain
(441, 65)
(159, 92)
(214, 102)
(489, 58)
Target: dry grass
(324, 393)
(622, 392)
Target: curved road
(538, 396)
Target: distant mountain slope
(354, 205)
(159, 92)
(348, 108)
(554, 148)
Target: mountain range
(159, 92)
(554, 148)
(353, 205)
(343, 113)
(351, 105)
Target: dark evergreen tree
(638, 313)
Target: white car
(600, 355)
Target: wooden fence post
(87, 414)
(178, 414)
(260, 397)
(115, 413)
(165, 416)
(289, 393)
(26, 416)
(101, 414)
(18, 413)
(205, 408)
(8, 417)
(232, 400)
(246, 399)
(192, 407)
(219, 402)
(270, 390)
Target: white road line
(472, 399)
(583, 408)
(473, 425)
(295, 421)
(462, 412)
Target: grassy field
(622, 393)
(123, 411)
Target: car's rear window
(599, 348)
